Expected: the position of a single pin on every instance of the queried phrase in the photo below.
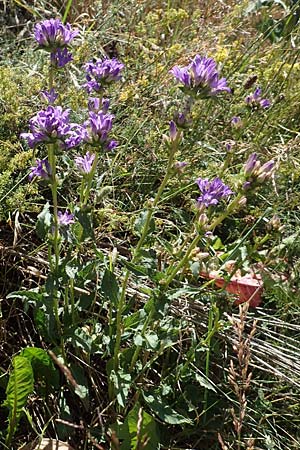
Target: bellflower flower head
(201, 77)
(42, 169)
(75, 136)
(47, 125)
(212, 191)
(60, 57)
(65, 219)
(52, 125)
(98, 126)
(102, 72)
(85, 163)
(52, 34)
(256, 101)
(49, 96)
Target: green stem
(55, 241)
(173, 148)
(89, 180)
(182, 263)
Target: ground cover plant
(149, 211)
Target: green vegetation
(119, 319)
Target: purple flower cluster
(201, 77)
(97, 129)
(212, 191)
(49, 96)
(53, 125)
(42, 169)
(65, 219)
(53, 34)
(85, 163)
(102, 72)
(60, 57)
(256, 101)
(254, 171)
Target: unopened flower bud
(247, 185)
(228, 146)
(274, 223)
(173, 131)
(236, 122)
(265, 171)
(251, 165)
(242, 202)
(203, 219)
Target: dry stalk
(239, 374)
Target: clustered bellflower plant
(51, 128)
(67, 225)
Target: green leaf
(163, 410)
(204, 382)
(110, 286)
(42, 365)
(122, 383)
(135, 319)
(20, 385)
(138, 340)
(152, 340)
(71, 271)
(148, 428)
(28, 295)
(138, 271)
(141, 221)
(86, 222)
(81, 389)
(43, 223)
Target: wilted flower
(212, 191)
(52, 125)
(102, 72)
(255, 100)
(201, 77)
(60, 57)
(41, 169)
(85, 163)
(52, 34)
(49, 96)
(65, 219)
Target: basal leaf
(110, 286)
(42, 365)
(163, 410)
(20, 385)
